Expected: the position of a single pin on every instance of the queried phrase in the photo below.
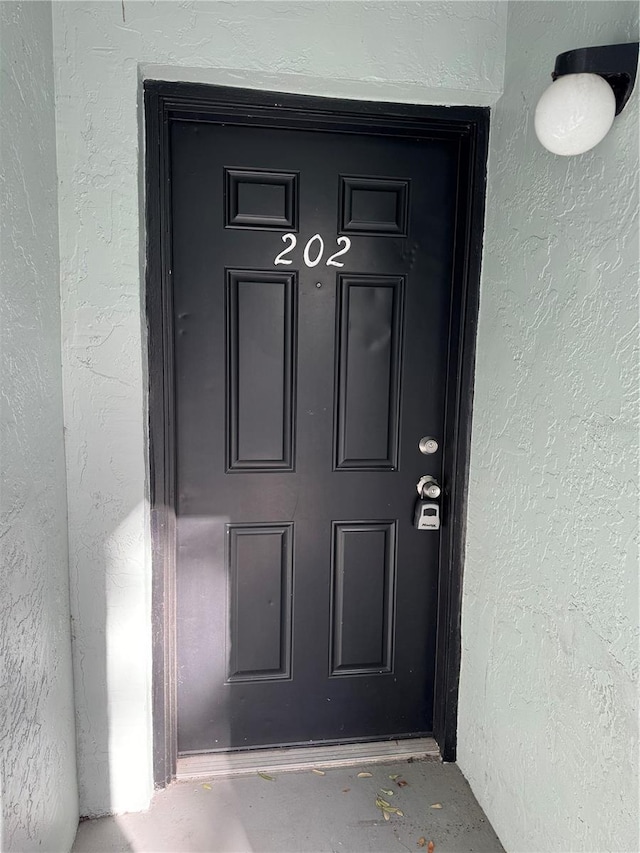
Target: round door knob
(427, 487)
(433, 491)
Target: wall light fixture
(591, 86)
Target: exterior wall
(548, 729)
(38, 793)
(421, 52)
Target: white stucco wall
(548, 727)
(421, 52)
(38, 793)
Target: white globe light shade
(575, 113)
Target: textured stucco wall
(548, 704)
(38, 793)
(410, 51)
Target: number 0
(307, 259)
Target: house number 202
(313, 251)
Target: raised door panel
(260, 573)
(261, 355)
(363, 594)
(368, 374)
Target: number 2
(344, 241)
(280, 258)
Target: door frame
(469, 126)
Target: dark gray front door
(311, 294)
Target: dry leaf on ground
(206, 786)
(431, 847)
(422, 841)
(365, 775)
(436, 806)
(266, 776)
(395, 776)
(401, 783)
(387, 791)
(387, 809)
(319, 772)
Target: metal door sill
(284, 760)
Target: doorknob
(428, 487)
(427, 513)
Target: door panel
(260, 585)
(363, 578)
(368, 377)
(306, 599)
(261, 355)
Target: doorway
(311, 297)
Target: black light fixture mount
(616, 63)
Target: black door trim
(469, 126)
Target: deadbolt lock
(427, 445)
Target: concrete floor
(304, 812)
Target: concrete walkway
(305, 812)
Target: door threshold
(284, 760)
